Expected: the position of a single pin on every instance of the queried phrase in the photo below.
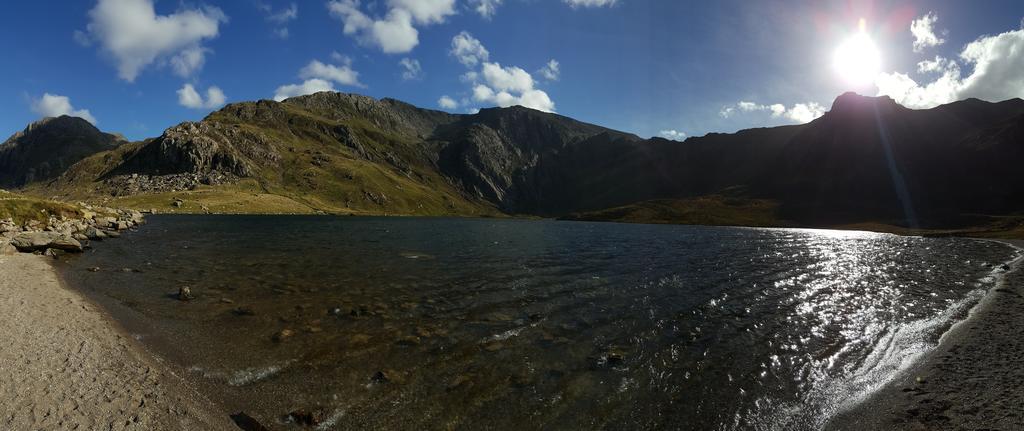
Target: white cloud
(395, 33)
(672, 134)
(551, 71)
(190, 98)
(133, 34)
(319, 76)
(52, 105)
(507, 78)
(280, 18)
(495, 84)
(799, 113)
(446, 102)
(486, 8)
(924, 34)
(309, 86)
(468, 49)
(343, 74)
(412, 67)
(996, 75)
(802, 112)
(426, 11)
(591, 3)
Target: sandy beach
(65, 365)
(973, 380)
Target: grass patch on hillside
(23, 208)
(706, 210)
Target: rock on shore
(66, 234)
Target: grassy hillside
(23, 208)
(307, 170)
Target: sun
(857, 60)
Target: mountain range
(868, 160)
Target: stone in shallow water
(309, 418)
(283, 335)
(457, 382)
(247, 423)
(410, 340)
(387, 376)
(243, 311)
(185, 294)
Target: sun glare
(857, 60)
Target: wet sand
(973, 380)
(65, 365)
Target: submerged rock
(309, 418)
(458, 381)
(387, 376)
(410, 340)
(247, 423)
(6, 249)
(243, 311)
(283, 335)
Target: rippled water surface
(506, 324)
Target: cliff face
(867, 159)
(46, 148)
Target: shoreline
(66, 364)
(971, 380)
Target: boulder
(93, 233)
(6, 249)
(106, 221)
(40, 241)
(136, 217)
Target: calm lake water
(411, 323)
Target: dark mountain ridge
(46, 148)
(867, 159)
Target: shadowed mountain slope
(867, 160)
(46, 148)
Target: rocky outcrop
(133, 184)
(46, 148)
(202, 148)
(63, 234)
(29, 242)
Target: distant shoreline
(969, 381)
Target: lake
(430, 323)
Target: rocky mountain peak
(851, 102)
(48, 147)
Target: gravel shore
(973, 380)
(65, 365)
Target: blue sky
(647, 67)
